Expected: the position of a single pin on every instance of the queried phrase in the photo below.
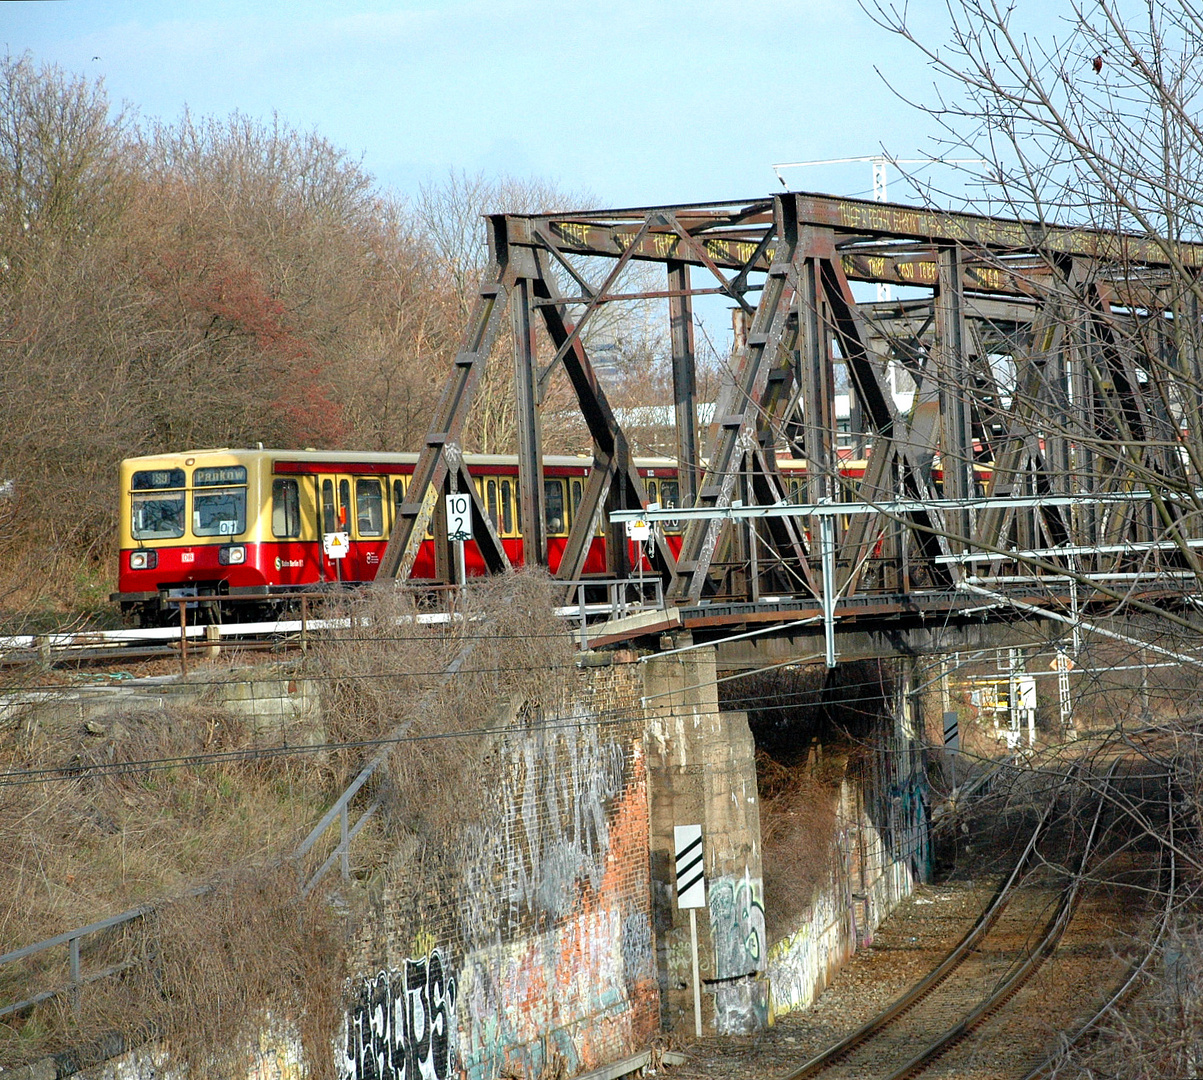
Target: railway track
(1013, 938)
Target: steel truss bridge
(1046, 450)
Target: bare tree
(1100, 126)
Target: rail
(1137, 969)
(1052, 933)
(988, 917)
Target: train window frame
(491, 500)
(286, 509)
(218, 501)
(553, 492)
(168, 510)
(363, 486)
(328, 508)
(508, 491)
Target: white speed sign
(459, 517)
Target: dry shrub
(214, 971)
(798, 814)
(82, 844)
(1158, 1033)
(386, 676)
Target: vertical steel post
(817, 381)
(827, 542)
(344, 846)
(76, 980)
(183, 636)
(530, 440)
(952, 371)
(680, 316)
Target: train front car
(191, 526)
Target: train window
(653, 492)
(219, 512)
(507, 507)
(329, 515)
(344, 505)
(577, 491)
(157, 517)
(369, 507)
(491, 500)
(398, 496)
(148, 479)
(286, 508)
(670, 494)
(553, 507)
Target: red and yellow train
(236, 528)
(241, 529)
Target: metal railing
(339, 811)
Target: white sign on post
(639, 531)
(691, 880)
(335, 544)
(459, 517)
(691, 894)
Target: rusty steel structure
(1013, 337)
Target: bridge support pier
(702, 770)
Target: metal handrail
(72, 938)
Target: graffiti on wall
(556, 795)
(737, 926)
(739, 940)
(526, 1008)
(402, 1024)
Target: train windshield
(219, 512)
(158, 517)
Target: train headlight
(143, 560)
(232, 555)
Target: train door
(335, 510)
(369, 526)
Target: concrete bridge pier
(702, 771)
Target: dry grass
(215, 970)
(385, 676)
(80, 845)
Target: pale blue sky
(635, 101)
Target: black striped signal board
(691, 880)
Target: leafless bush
(387, 681)
(798, 816)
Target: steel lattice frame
(1053, 300)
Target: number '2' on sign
(459, 517)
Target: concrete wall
(703, 769)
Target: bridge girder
(1016, 343)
